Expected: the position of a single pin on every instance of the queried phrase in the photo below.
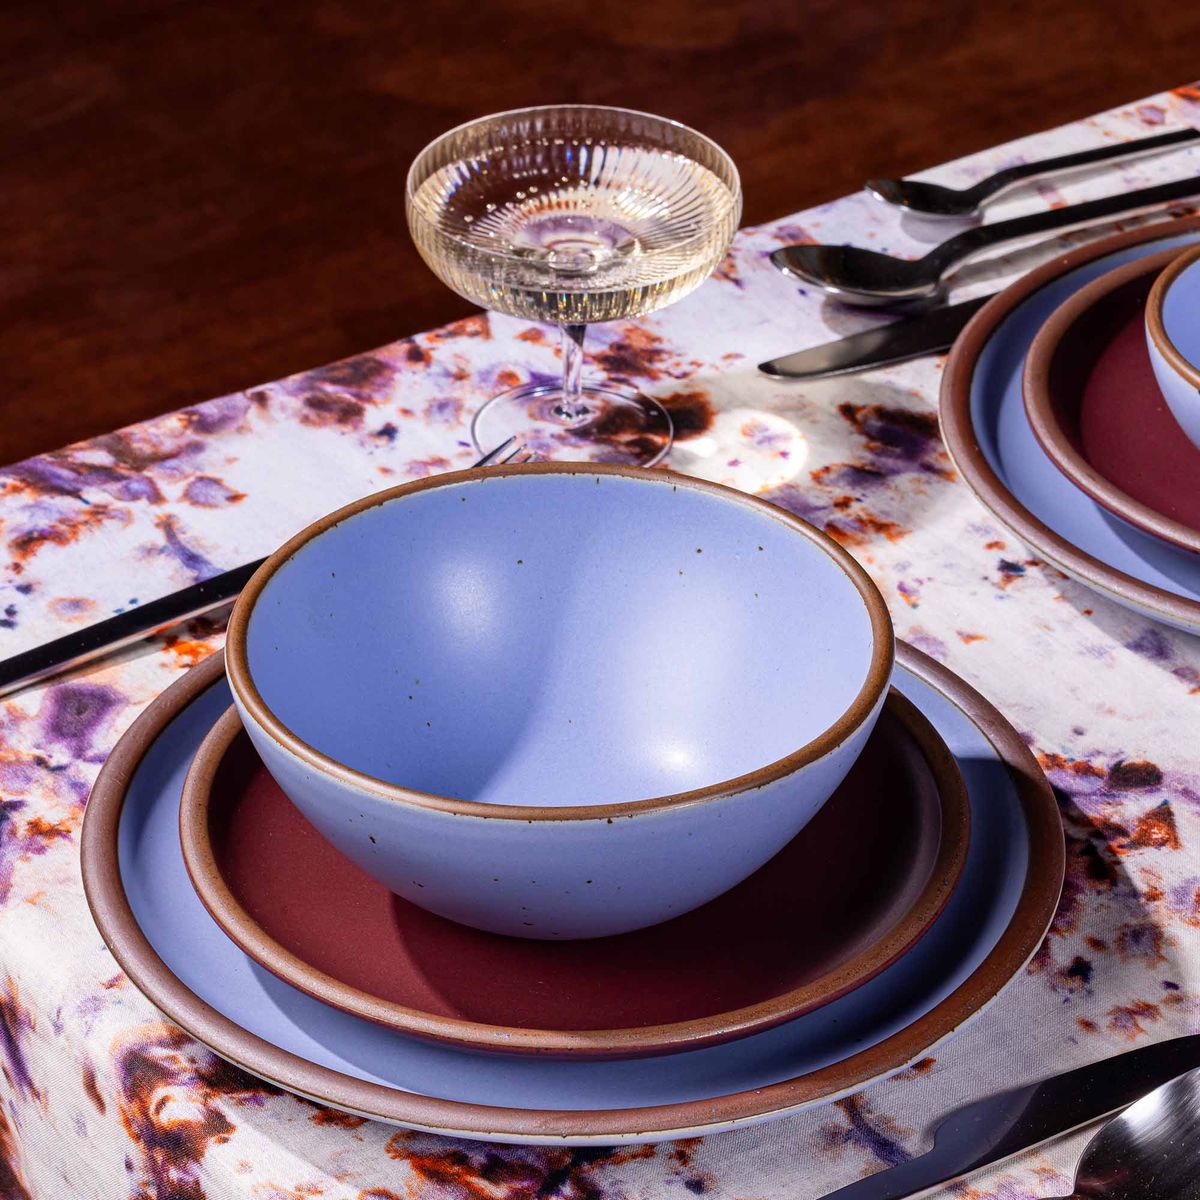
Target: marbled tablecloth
(103, 1098)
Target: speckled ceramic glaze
(1173, 337)
(475, 687)
(1096, 410)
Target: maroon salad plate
(854, 890)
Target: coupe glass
(573, 214)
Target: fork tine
(519, 455)
(492, 454)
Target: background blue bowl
(1173, 338)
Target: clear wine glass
(573, 214)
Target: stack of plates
(1051, 412)
(902, 910)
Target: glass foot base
(619, 426)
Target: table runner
(104, 1098)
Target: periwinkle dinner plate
(991, 442)
(173, 951)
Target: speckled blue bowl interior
(559, 639)
(1181, 313)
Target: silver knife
(911, 337)
(990, 1130)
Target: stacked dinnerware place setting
(1070, 401)
(570, 800)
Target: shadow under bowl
(811, 925)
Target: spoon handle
(1116, 152)
(950, 253)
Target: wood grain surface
(199, 197)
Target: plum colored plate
(171, 949)
(862, 881)
(989, 437)
(1096, 409)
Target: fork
(85, 645)
(519, 454)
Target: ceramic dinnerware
(988, 436)
(161, 936)
(1097, 412)
(559, 700)
(1173, 339)
(845, 898)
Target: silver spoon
(934, 200)
(1150, 1152)
(867, 277)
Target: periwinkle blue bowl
(1173, 339)
(560, 700)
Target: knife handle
(989, 1130)
(103, 637)
(931, 332)
(74, 649)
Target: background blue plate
(999, 424)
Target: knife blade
(82, 646)
(911, 337)
(990, 1130)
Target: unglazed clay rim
(1154, 318)
(1048, 430)
(100, 862)
(887, 946)
(874, 687)
(954, 412)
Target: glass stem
(571, 406)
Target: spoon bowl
(860, 276)
(1150, 1152)
(935, 200)
(867, 277)
(928, 199)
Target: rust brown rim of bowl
(958, 433)
(1048, 430)
(879, 671)
(1154, 322)
(249, 935)
(1016, 946)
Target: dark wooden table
(198, 197)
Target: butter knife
(911, 337)
(992, 1129)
